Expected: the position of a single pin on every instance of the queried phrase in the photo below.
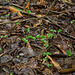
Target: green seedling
(0, 49)
(44, 59)
(11, 73)
(28, 11)
(3, 36)
(53, 30)
(7, 14)
(37, 36)
(27, 29)
(18, 56)
(24, 39)
(60, 30)
(48, 65)
(48, 53)
(29, 36)
(43, 40)
(17, 23)
(50, 35)
(46, 45)
(42, 36)
(72, 21)
(69, 53)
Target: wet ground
(37, 37)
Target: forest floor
(37, 37)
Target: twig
(68, 70)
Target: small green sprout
(48, 53)
(46, 45)
(48, 65)
(18, 56)
(72, 21)
(37, 36)
(7, 14)
(50, 35)
(17, 23)
(45, 58)
(3, 36)
(43, 40)
(28, 11)
(0, 49)
(11, 73)
(53, 30)
(27, 29)
(69, 53)
(29, 36)
(24, 39)
(60, 30)
(42, 36)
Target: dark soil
(41, 17)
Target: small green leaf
(46, 45)
(44, 54)
(45, 58)
(24, 39)
(0, 49)
(28, 11)
(48, 53)
(29, 36)
(11, 73)
(72, 21)
(42, 36)
(27, 29)
(2, 36)
(43, 40)
(17, 23)
(37, 36)
(33, 38)
(18, 56)
(5, 36)
(50, 35)
(69, 53)
(60, 30)
(7, 14)
(53, 30)
(49, 65)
